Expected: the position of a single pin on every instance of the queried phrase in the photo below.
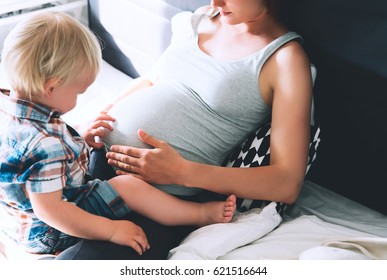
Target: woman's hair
(273, 6)
(48, 45)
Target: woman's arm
(70, 219)
(286, 77)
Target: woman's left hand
(160, 165)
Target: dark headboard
(346, 41)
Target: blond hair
(48, 45)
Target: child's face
(64, 95)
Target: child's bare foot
(218, 211)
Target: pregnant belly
(148, 109)
(175, 115)
(167, 113)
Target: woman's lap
(161, 238)
(98, 167)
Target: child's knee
(126, 182)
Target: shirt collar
(25, 109)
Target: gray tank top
(204, 107)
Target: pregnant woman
(231, 67)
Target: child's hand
(97, 128)
(129, 234)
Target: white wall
(76, 8)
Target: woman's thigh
(98, 167)
(161, 239)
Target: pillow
(255, 151)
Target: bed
(341, 211)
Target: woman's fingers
(128, 168)
(156, 165)
(150, 140)
(124, 150)
(123, 162)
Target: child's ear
(50, 86)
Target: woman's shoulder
(291, 52)
(288, 59)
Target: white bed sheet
(337, 209)
(292, 238)
(320, 225)
(319, 218)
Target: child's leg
(167, 209)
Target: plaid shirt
(38, 153)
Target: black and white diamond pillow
(255, 151)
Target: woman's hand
(161, 165)
(98, 129)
